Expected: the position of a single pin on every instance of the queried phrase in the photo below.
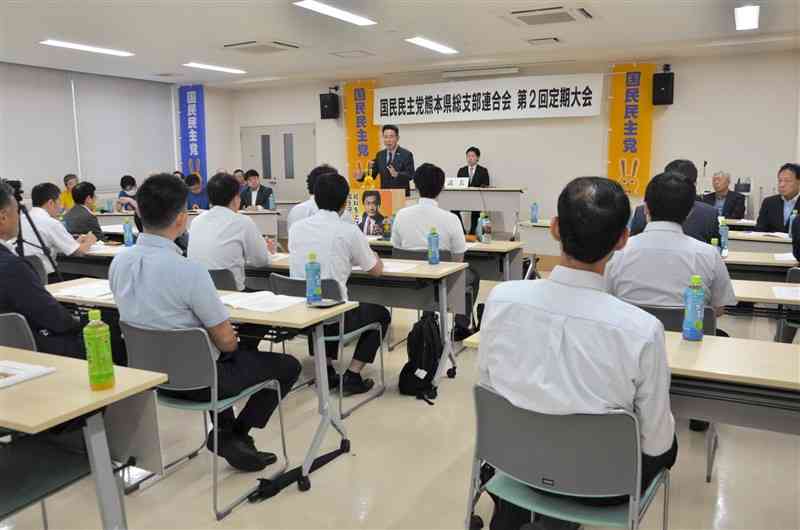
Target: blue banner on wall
(192, 114)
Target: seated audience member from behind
(126, 198)
(70, 181)
(255, 195)
(776, 209)
(339, 245)
(308, 207)
(197, 198)
(44, 214)
(221, 238)
(155, 287)
(702, 223)
(371, 223)
(478, 178)
(728, 203)
(81, 219)
(413, 224)
(54, 329)
(600, 352)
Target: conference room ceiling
(168, 33)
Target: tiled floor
(410, 463)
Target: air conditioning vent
(261, 48)
(544, 41)
(548, 15)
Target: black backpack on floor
(424, 350)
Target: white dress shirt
(655, 268)
(413, 224)
(254, 197)
(565, 346)
(53, 233)
(301, 211)
(223, 239)
(339, 246)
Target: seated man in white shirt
(221, 238)
(413, 224)
(46, 200)
(566, 346)
(339, 245)
(308, 207)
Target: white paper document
(12, 372)
(785, 256)
(88, 291)
(472, 245)
(264, 301)
(786, 293)
(780, 235)
(392, 266)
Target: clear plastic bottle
(534, 212)
(271, 201)
(694, 299)
(127, 232)
(433, 247)
(724, 231)
(486, 228)
(792, 217)
(313, 279)
(97, 340)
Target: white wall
(220, 152)
(738, 112)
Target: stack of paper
(787, 293)
(398, 266)
(263, 301)
(786, 256)
(97, 289)
(12, 372)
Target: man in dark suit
(702, 222)
(255, 194)
(371, 223)
(729, 204)
(81, 219)
(478, 178)
(776, 209)
(21, 291)
(394, 164)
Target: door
(283, 154)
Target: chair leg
(712, 442)
(374, 395)
(45, 523)
(474, 492)
(665, 519)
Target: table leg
(447, 350)
(328, 415)
(109, 496)
(506, 267)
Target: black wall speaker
(329, 106)
(663, 88)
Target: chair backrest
(420, 255)
(15, 332)
(38, 266)
(587, 455)
(185, 355)
(672, 318)
(281, 284)
(793, 275)
(223, 279)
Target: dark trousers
(239, 370)
(369, 342)
(473, 221)
(508, 516)
(473, 285)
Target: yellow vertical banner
(362, 134)
(630, 138)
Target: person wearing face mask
(777, 209)
(393, 164)
(127, 195)
(729, 204)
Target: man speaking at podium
(394, 164)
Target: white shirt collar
(428, 202)
(8, 246)
(663, 226)
(578, 278)
(789, 201)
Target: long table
(757, 266)
(743, 382)
(741, 241)
(36, 405)
(297, 317)
(266, 220)
(497, 261)
(500, 200)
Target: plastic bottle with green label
(313, 279)
(694, 299)
(97, 340)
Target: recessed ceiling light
(431, 45)
(746, 17)
(257, 80)
(85, 48)
(335, 12)
(215, 68)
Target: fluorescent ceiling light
(215, 68)
(85, 48)
(257, 80)
(482, 72)
(431, 45)
(741, 42)
(746, 17)
(335, 12)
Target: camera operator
(21, 291)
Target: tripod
(20, 244)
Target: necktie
(471, 172)
(391, 158)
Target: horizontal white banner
(552, 96)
